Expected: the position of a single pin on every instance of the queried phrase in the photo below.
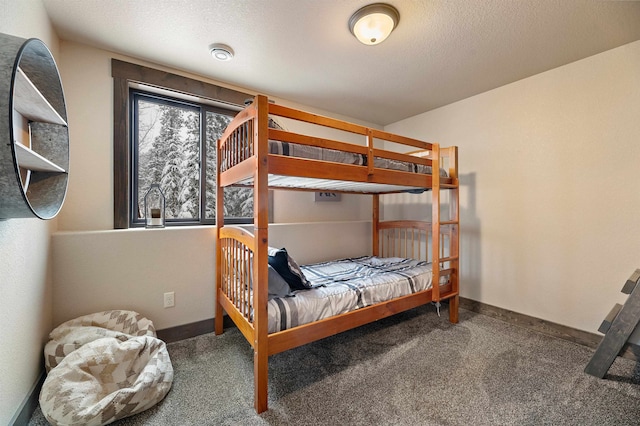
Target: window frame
(127, 75)
(202, 109)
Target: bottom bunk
(295, 305)
(341, 286)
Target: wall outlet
(170, 299)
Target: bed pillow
(288, 269)
(278, 287)
(274, 124)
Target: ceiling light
(372, 24)
(221, 52)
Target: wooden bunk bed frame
(241, 256)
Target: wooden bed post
(260, 264)
(435, 222)
(454, 216)
(375, 228)
(219, 312)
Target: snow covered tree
(168, 147)
(150, 165)
(216, 124)
(189, 196)
(238, 202)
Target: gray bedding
(326, 154)
(345, 285)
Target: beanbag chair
(73, 334)
(105, 380)
(103, 367)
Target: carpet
(414, 368)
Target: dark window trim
(134, 94)
(124, 74)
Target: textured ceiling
(302, 50)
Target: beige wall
(97, 268)
(94, 271)
(25, 272)
(549, 195)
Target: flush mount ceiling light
(372, 24)
(221, 52)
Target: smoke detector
(221, 52)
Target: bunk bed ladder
(446, 230)
(435, 225)
(621, 326)
(444, 248)
(453, 227)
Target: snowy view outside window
(168, 144)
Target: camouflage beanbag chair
(107, 378)
(71, 335)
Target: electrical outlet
(169, 299)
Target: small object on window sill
(154, 205)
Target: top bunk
(308, 160)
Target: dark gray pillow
(288, 269)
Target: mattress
(345, 285)
(318, 153)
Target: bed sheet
(345, 285)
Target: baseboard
(570, 334)
(186, 331)
(29, 405)
(574, 335)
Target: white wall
(25, 271)
(549, 187)
(131, 269)
(97, 268)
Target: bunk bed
(252, 153)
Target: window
(168, 135)
(170, 147)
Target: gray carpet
(412, 369)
